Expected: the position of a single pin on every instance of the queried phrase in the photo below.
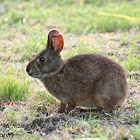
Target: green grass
(33, 45)
(81, 47)
(131, 63)
(14, 88)
(84, 17)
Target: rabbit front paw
(62, 108)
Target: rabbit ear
(55, 40)
(58, 42)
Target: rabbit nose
(29, 71)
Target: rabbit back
(89, 80)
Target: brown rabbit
(86, 80)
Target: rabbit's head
(48, 62)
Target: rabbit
(86, 80)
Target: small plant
(67, 124)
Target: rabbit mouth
(41, 77)
(30, 73)
(34, 76)
(34, 73)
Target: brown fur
(87, 80)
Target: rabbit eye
(42, 59)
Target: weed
(67, 124)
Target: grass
(42, 99)
(34, 44)
(14, 88)
(11, 117)
(33, 14)
(130, 60)
(24, 26)
(81, 47)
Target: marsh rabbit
(87, 80)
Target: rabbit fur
(88, 79)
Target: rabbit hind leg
(70, 107)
